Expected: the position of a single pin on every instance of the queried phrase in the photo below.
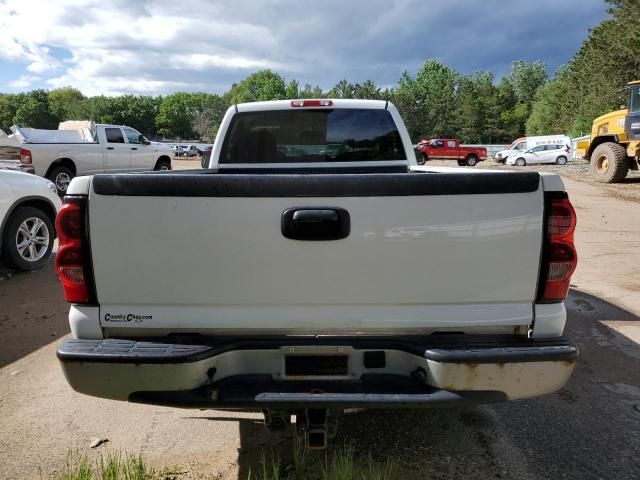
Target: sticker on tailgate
(126, 317)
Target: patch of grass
(339, 465)
(76, 467)
(116, 466)
(109, 466)
(300, 452)
(376, 471)
(343, 466)
(271, 470)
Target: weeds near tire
(109, 466)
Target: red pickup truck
(450, 149)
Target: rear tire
(561, 160)
(521, 162)
(28, 239)
(61, 176)
(609, 163)
(163, 165)
(471, 161)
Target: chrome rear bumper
(331, 372)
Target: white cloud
(120, 85)
(42, 62)
(144, 46)
(202, 61)
(38, 58)
(122, 47)
(24, 82)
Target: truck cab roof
(329, 103)
(312, 134)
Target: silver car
(552, 153)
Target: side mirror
(142, 139)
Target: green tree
(98, 109)
(175, 115)
(67, 103)
(208, 115)
(546, 117)
(342, 89)
(367, 90)
(259, 86)
(310, 92)
(292, 91)
(474, 96)
(526, 78)
(513, 122)
(502, 110)
(34, 111)
(516, 94)
(404, 96)
(436, 84)
(427, 102)
(9, 104)
(139, 112)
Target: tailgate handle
(316, 223)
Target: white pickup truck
(84, 148)
(313, 268)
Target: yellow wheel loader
(615, 140)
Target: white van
(524, 144)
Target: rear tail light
(25, 156)
(72, 260)
(559, 252)
(311, 103)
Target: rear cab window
(312, 135)
(114, 135)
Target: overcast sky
(158, 47)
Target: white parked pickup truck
(84, 148)
(313, 268)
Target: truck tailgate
(206, 251)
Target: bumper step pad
(113, 350)
(372, 391)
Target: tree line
(435, 102)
